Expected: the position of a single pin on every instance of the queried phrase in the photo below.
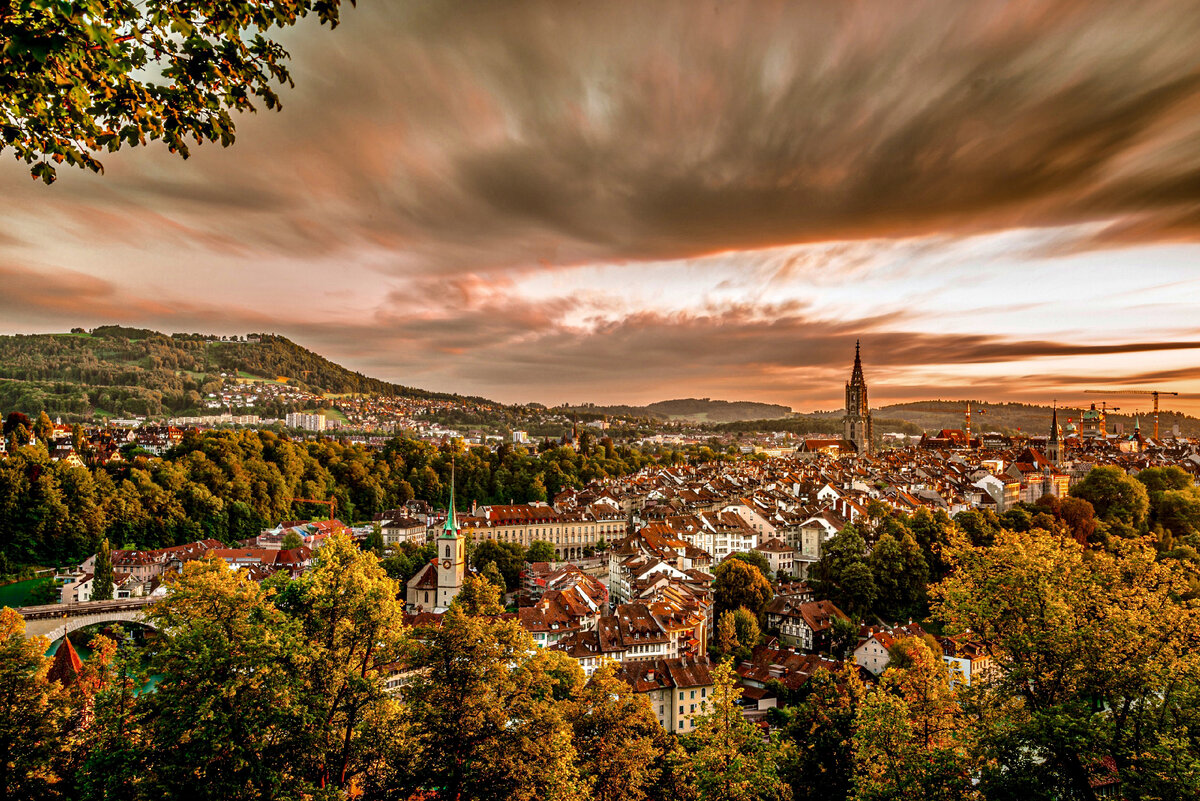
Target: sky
(624, 202)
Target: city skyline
(634, 203)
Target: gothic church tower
(856, 424)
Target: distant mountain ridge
(696, 410)
(1025, 418)
(121, 371)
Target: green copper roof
(451, 527)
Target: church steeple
(451, 555)
(1054, 446)
(856, 424)
(856, 376)
(451, 527)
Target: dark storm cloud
(492, 134)
(465, 146)
(517, 131)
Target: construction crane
(331, 503)
(1153, 392)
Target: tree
(856, 589)
(492, 574)
(914, 577)
(738, 632)
(727, 640)
(540, 551)
(483, 700)
(745, 624)
(509, 558)
(755, 558)
(1178, 511)
(818, 762)
(731, 759)
(32, 710)
(110, 754)
(229, 717)
(374, 542)
(909, 736)
(480, 596)
(618, 738)
(843, 574)
(47, 592)
(44, 427)
(353, 626)
(102, 581)
(738, 584)
(291, 540)
(887, 568)
(78, 79)
(1120, 501)
(1094, 659)
(1158, 480)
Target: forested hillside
(230, 485)
(133, 371)
(698, 410)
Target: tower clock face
(446, 563)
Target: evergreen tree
(102, 581)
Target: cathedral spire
(1053, 446)
(856, 424)
(856, 377)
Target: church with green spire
(438, 583)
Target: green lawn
(334, 414)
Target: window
(693, 693)
(681, 722)
(680, 698)
(447, 549)
(681, 712)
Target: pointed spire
(1054, 424)
(67, 664)
(451, 521)
(856, 377)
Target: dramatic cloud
(629, 199)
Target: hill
(696, 410)
(919, 416)
(1025, 418)
(126, 371)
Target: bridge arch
(55, 621)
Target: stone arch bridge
(54, 621)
